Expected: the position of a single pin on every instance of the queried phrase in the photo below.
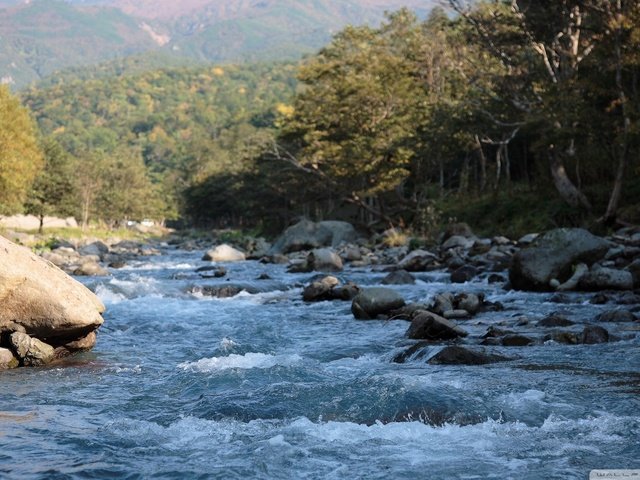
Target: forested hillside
(45, 36)
(41, 37)
(185, 124)
(510, 119)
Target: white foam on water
(108, 296)
(227, 344)
(523, 398)
(117, 290)
(150, 266)
(242, 362)
(261, 298)
(320, 449)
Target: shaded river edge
(265, 386)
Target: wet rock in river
(429, 326)
(456, 314)
(469, 302)
(442, 303)
(224, 253)
(117, 264)
(564, 337)
(7, 359)
(91, 269)
(464, 274)
(212, 272)
(324, 260)
(320, 290)
(399, 277)
(555, 320)
(599, 299)
(606, 279)
(494, 332)
(617, 315)
(592, 335)
(414, 352)
(372, 302)
(222, 291)
(419, 261)
(496, 278)
(634, 269)
(516, 340)
(31, 352)
(457, 355)
(627, 298)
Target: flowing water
(265, 386)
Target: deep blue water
(265, 386)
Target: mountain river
(181, 385)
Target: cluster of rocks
(90, 258)
(44, 314)
(574, 259)
(561, 260)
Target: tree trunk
(567, 190)
(498, 168)
(483, 165)
(441, 168)
(464, 176)
(616, 193)
(41, 227)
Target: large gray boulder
(308, 235)
(371, 302)
(552, 256)
(341, 232)
(606, 279)
(97, 248)
(40, 300)
(224, 253)
(324, 260)
(456, 355)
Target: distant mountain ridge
(39, 37)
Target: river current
(262, 385)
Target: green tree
(52, 192)
(20, 155)
(353, 126)
(126, 191)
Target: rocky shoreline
(45, 315)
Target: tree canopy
(20, 155)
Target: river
(265, 386)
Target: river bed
(262, 385)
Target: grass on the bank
(44, 240)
